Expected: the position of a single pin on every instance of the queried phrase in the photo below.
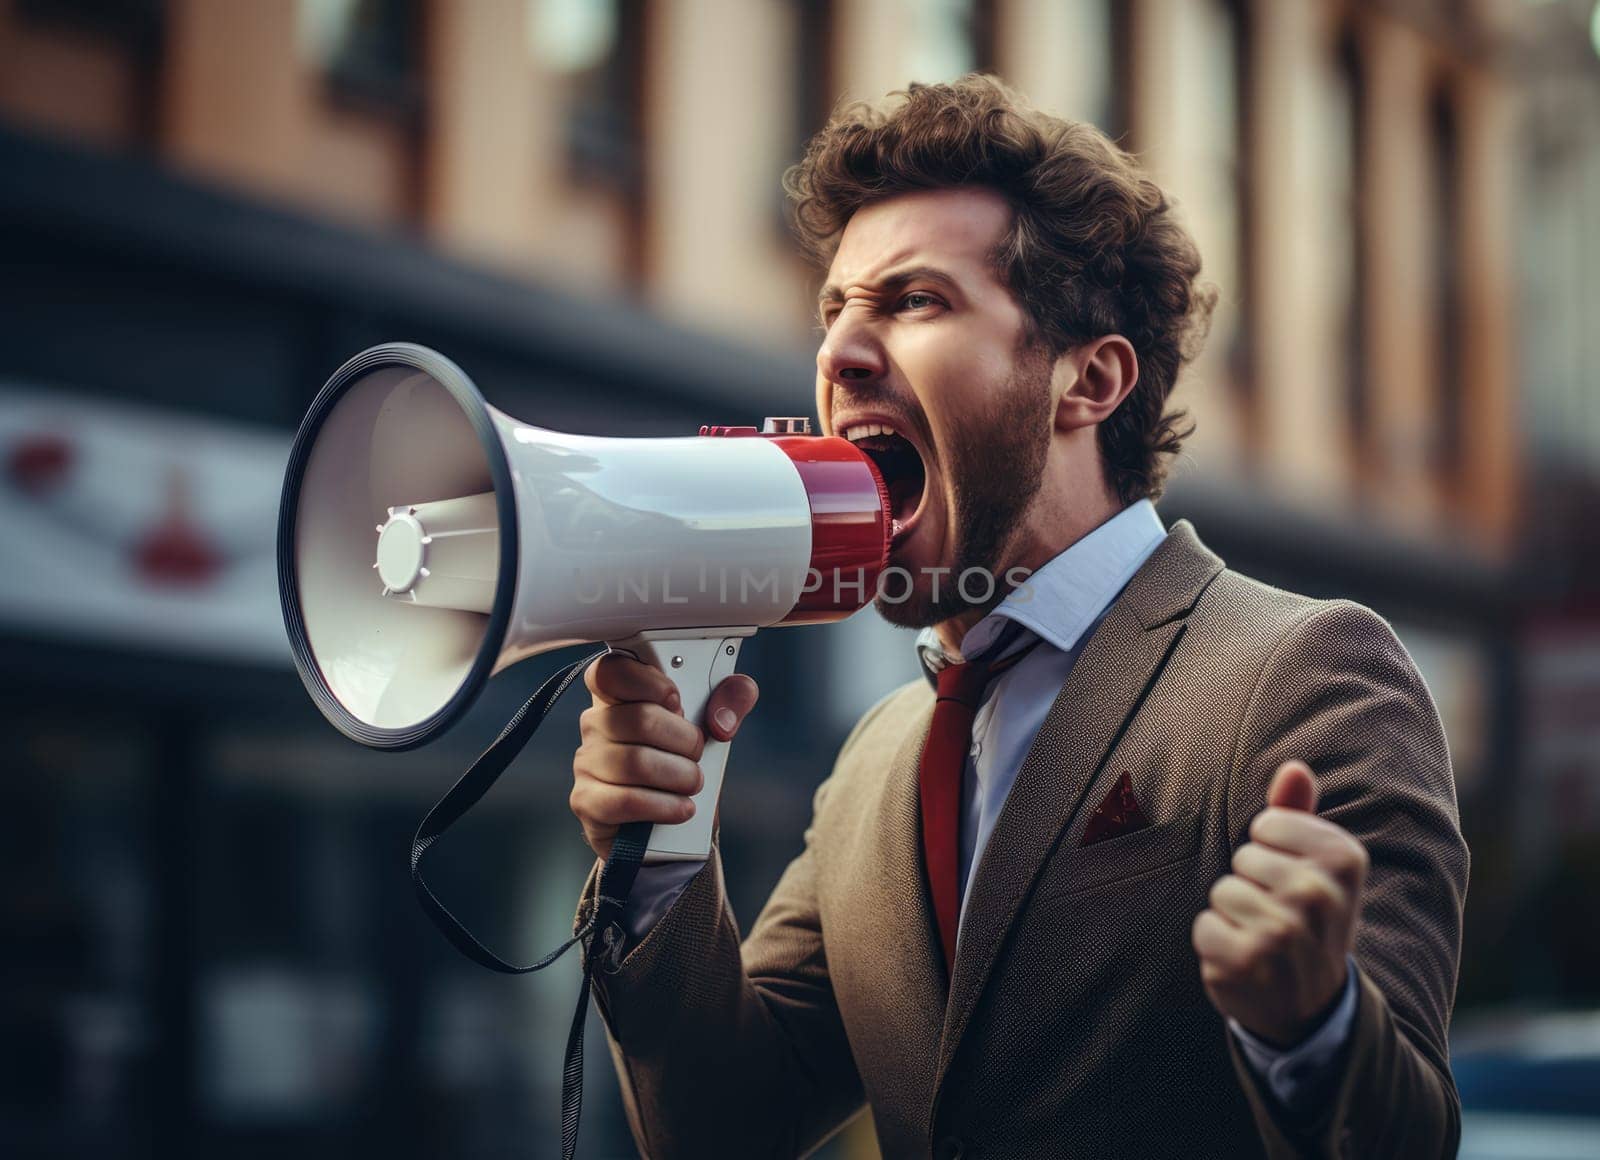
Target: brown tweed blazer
(1075, 1023)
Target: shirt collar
(1061, 600)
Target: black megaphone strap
(616, 882)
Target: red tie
(944, 758)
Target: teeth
(867, 430)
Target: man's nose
(849, 353)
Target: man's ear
(1100, 374)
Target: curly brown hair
(1094, 247)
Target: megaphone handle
(696, 663)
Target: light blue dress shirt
(1058, 606)
(1055, 610)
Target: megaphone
(427, 541)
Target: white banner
(136, 527)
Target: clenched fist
(1272, 945)
(637, 762)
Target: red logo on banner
(177, 550)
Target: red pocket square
(1118, 814)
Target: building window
(1116, 82)
(365, 138)
(1234, 36)
(1212, 135)
(125, 37)
(815, 88)
(572, 37)
(948, 39)
(594, 50)
(137, 24)
(816, 71)
(1344, 131)
(368, 51)
(1070, 59)
(1445, 223)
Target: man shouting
(1158, 860)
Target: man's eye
(917, 300)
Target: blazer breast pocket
(1079, 869)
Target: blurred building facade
(209, 206)
(1342, 164)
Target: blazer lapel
(1113, 673)
(908, 920)
(884, 936)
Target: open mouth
(900, 463)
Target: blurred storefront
(205, 208)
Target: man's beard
(996, 469)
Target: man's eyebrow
(891, 282)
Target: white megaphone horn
(427, 541)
